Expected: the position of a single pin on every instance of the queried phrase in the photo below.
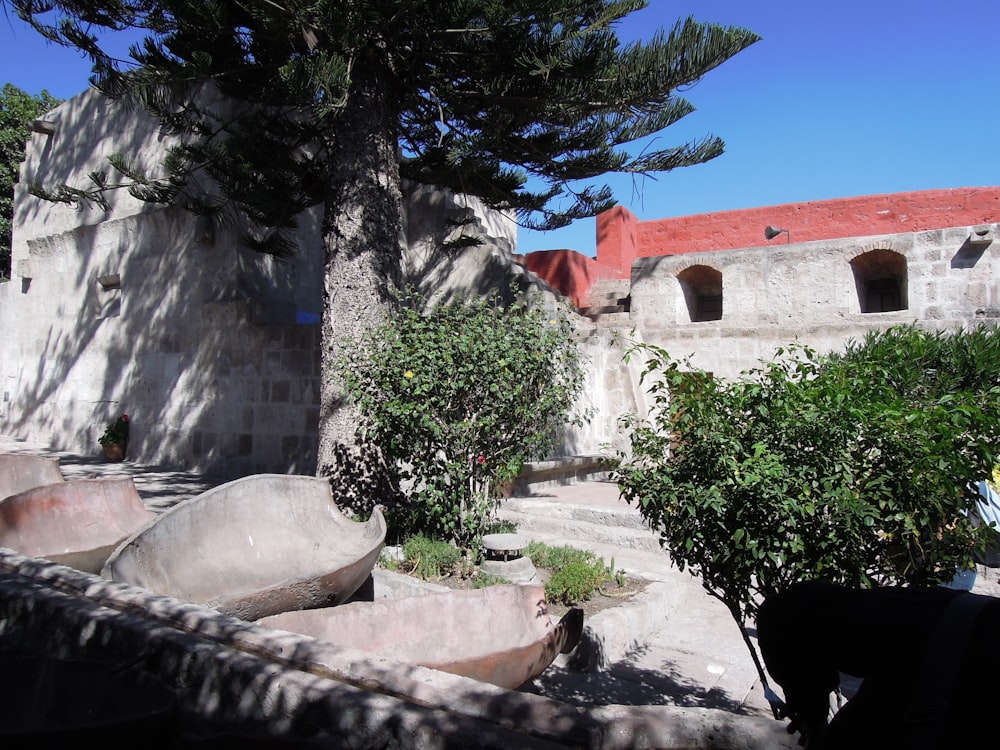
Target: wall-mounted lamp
(772, 232)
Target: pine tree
(296, 103)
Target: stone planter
(113, 451)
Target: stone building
(729, 288)
(213, 350)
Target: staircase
(590, 515)
(608, 303)
(673, 639)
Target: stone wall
(622, 238)
(812, 293)
(212, 350)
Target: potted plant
(115, 438)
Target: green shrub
(576, 573)
(851, 467)
(430, 558)
(455, 399)
(576, 581)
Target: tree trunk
(362, 234)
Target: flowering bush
(457, 399)
(116, 432)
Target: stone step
(616, 550)
(611, 298)
(609, 289)
(544, 508)
(611, 320)
(536, 476)
(561, 523)
(593, 311)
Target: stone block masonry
(272, 422)
(211, 349)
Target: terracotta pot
(114, 451)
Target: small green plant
(387, 561)
(481, 580)
(544, 556)
(576, 574)
(116, 432)
(576, 581)
(617, 575)
(430, 558)
(501, 526)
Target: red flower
(480, 459)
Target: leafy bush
(851, 467)
(456, 399)
(430, 558)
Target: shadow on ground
(626, 683)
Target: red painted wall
(617, 241)
(570, 272)
(621, 237)
(819, 220)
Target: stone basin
(76, 523)
(257, 546)
(21, 472)
(501, 634)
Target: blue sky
(839, 99)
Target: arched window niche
(702, 287)
(880, 280)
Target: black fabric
(813, 631)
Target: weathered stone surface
(253, 547)
(77, 523)
(226, 672)
(507, 545)
(517, 570)
(19, 473)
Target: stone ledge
(560, 471)
(608, 636)
(233, 673)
